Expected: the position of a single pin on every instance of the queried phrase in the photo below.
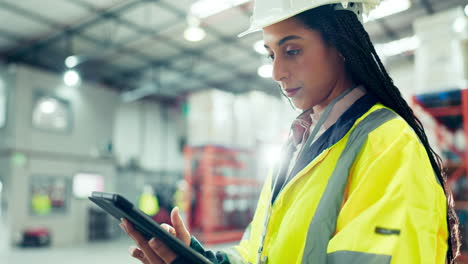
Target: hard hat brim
(258, 27)
(248, 31)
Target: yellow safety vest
(392, 208)
(41, 204)
(149, 204)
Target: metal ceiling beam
(230, 41)
(145, 31)
(227, 40)
(98, 42)
(32, 61)
(223, 39)
(63, 32)
(33, 49)
(200, 51)
(136, 28)
(10, 35)
(122, 43)
(41, 53)
(165, 63)
(17, 54)
(48, 22)
(427, 5)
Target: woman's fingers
(169, 229)
(179, 226)
(162, 250)
(141, 242)
(138, 254)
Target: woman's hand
(155, 251)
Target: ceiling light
(71, 61)
(194, 34)
(387, 8)
(466, 10)
(265, 71)
(206, 8)
(48, 105)
(459, 25)
(259, 47)
(71, 78)
(397, 47)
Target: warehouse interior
(161, 99)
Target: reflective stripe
(246, 235)
(323, 224)
(353, 257)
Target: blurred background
(161, 102)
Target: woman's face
(309, 71)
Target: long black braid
(344, 31)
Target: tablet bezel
(119, 207)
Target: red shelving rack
(451, 112)
(206, 173)
(458, 110)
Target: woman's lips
(292, 92)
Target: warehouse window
(86, 183)
(52, 113)
(48, 195)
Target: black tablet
(119, 207)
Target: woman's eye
(271, 57)
(292, 52)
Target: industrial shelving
(219, 177)
(450, 111)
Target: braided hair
(343, 30)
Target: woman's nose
(280, 72)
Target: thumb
(181, 231)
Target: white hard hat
(269, 12)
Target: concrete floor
(115, 252)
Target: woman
(360, 183)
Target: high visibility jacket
(41, 204)
(368, 196)
(149, 204)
